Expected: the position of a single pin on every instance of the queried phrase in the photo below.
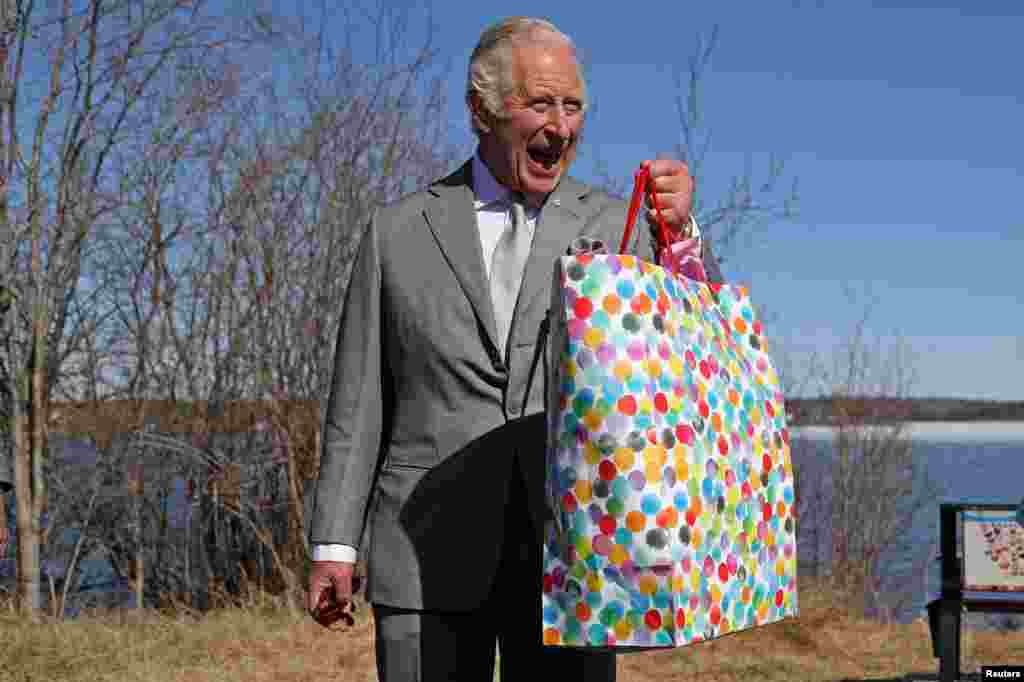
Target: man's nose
(558, 122)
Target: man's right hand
(326, 576)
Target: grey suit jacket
(6, 465)
(421, 432)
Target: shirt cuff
(334, 553)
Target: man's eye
(572, 107)
(540, 107)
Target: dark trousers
(434, 646)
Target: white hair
(490, 66)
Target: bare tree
(859, 493)
(76, 77)
(182, 231)
(238, 214)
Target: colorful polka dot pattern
(668, 468)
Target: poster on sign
(993, 551)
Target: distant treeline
(831, 410)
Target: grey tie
(507, 266)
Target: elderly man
(432, 446)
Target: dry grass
(271, 642)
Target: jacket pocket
(419, 454)
(405, 466)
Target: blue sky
(900, 121)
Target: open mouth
(545, 156)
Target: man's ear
(481, 118)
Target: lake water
(981, 461)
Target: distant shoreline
(950, 431)
(829, 411)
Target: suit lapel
(452, 219)
(560, 221)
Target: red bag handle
(642, 180)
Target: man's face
(532, 146)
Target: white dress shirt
(492, 211)
(492, 216)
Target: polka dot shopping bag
(668, 465)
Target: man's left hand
(675, 188)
